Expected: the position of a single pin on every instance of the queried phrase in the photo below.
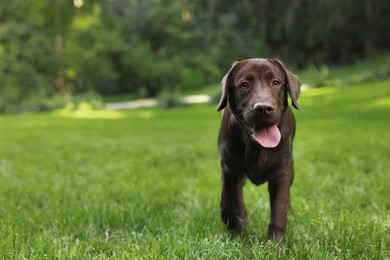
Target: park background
(79, 181)
(52, 51)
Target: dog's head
(256, 91)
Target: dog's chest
(261, 164)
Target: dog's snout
(263, 107)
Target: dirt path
(152, 102)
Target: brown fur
(267, 82)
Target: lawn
(145, 184)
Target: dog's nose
(263, 107)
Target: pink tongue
(267, 137)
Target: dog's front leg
(232, 205)
(279, 191)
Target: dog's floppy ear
(294, 88)
(293, 83)
(224, 83)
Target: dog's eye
(244, 85)
(275, 83)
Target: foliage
(61, 48)
(145, 183)
(170, 99)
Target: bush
(86, 101)
(170, 99)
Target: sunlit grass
(145, 184)
(89, 114)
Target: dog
(255, 139)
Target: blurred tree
(27, 64)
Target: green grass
(145, 184)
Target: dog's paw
(234, 222)
(276, 236)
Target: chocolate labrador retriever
(255, 139)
